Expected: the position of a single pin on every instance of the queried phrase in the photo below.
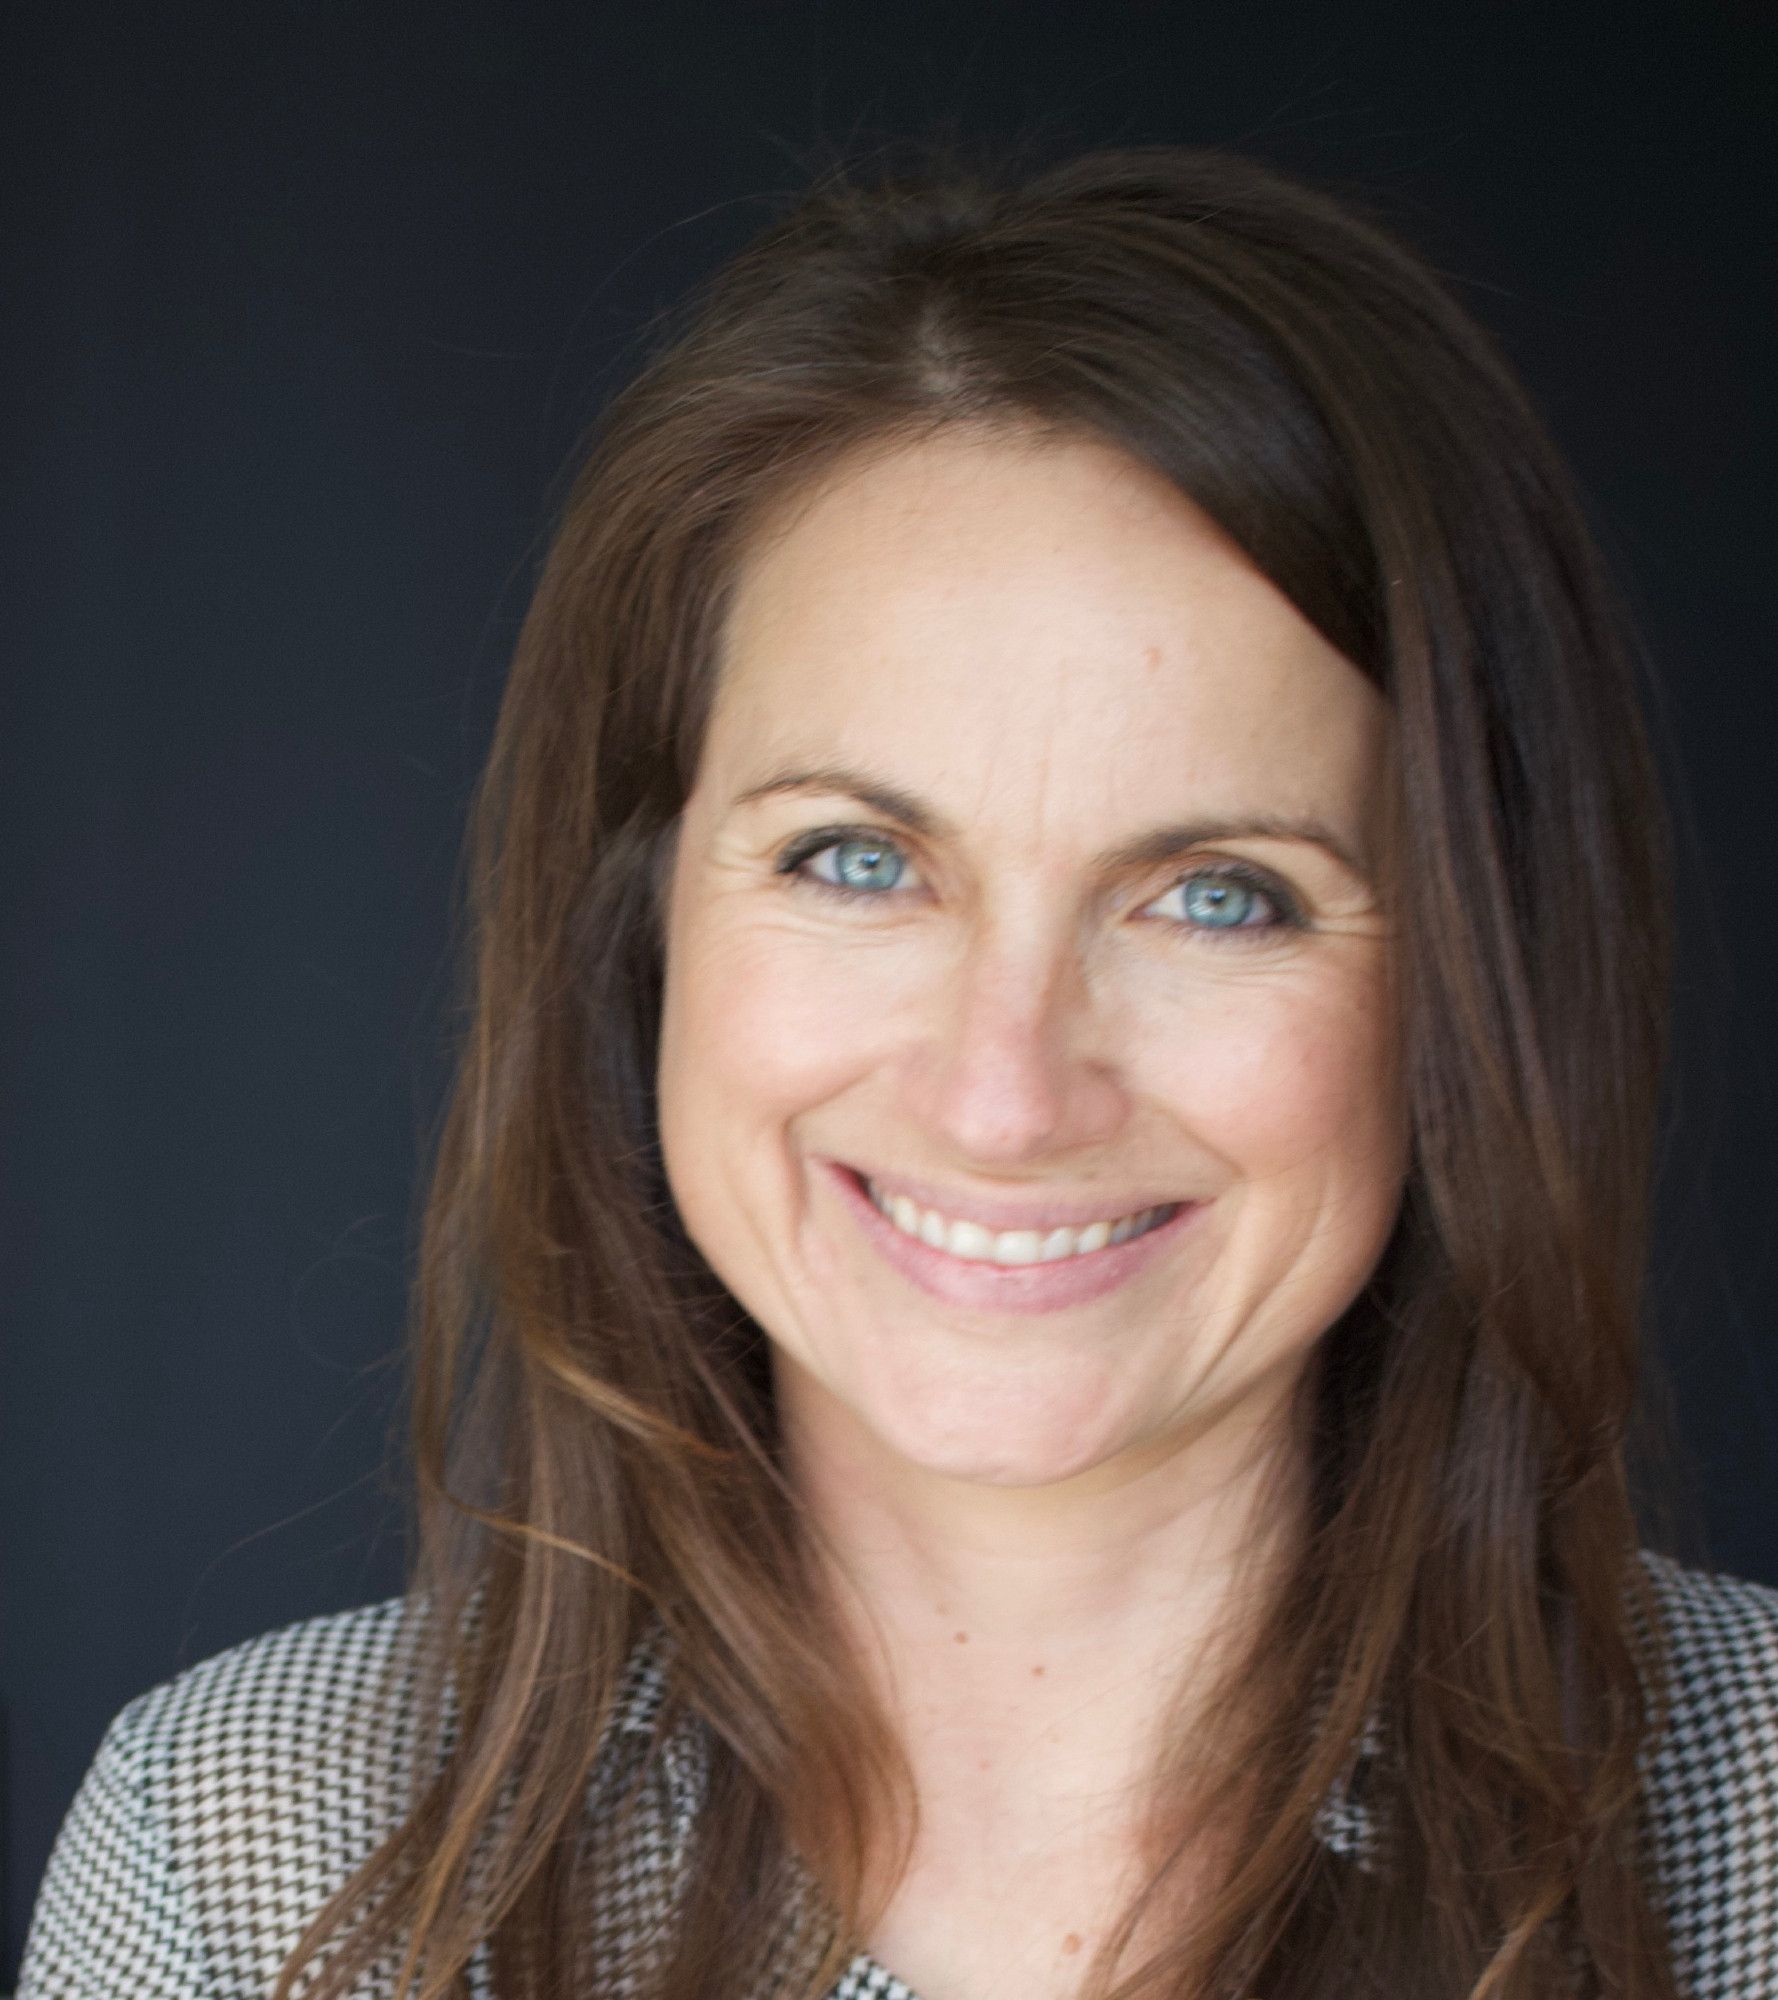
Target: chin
(902, 1406)
(993, 1448)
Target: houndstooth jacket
(225, 1806)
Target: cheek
(752, 1030)
(1284, 1076)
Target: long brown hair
(595, 1434)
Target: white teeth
(1018, 1246)
(970, 1241)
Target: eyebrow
(1147, 850)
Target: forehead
(990, 615)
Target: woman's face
(1024, 890)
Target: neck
(984, 1610)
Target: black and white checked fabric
(225, 1806)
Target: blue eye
(1221, 901)
(849, 864)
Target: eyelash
(793, 860)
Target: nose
(1017, 1069)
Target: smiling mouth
(973, 1244)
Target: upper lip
(998, 1213)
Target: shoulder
(227, 1805)
(1711, 1777)
(1725, 1615)
(224, 1807)
(302, 1691)
(1720, 1635)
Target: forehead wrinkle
(1051, 683)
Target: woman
(1028, 1314)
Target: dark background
(305, 308)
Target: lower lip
(1014, 1288)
